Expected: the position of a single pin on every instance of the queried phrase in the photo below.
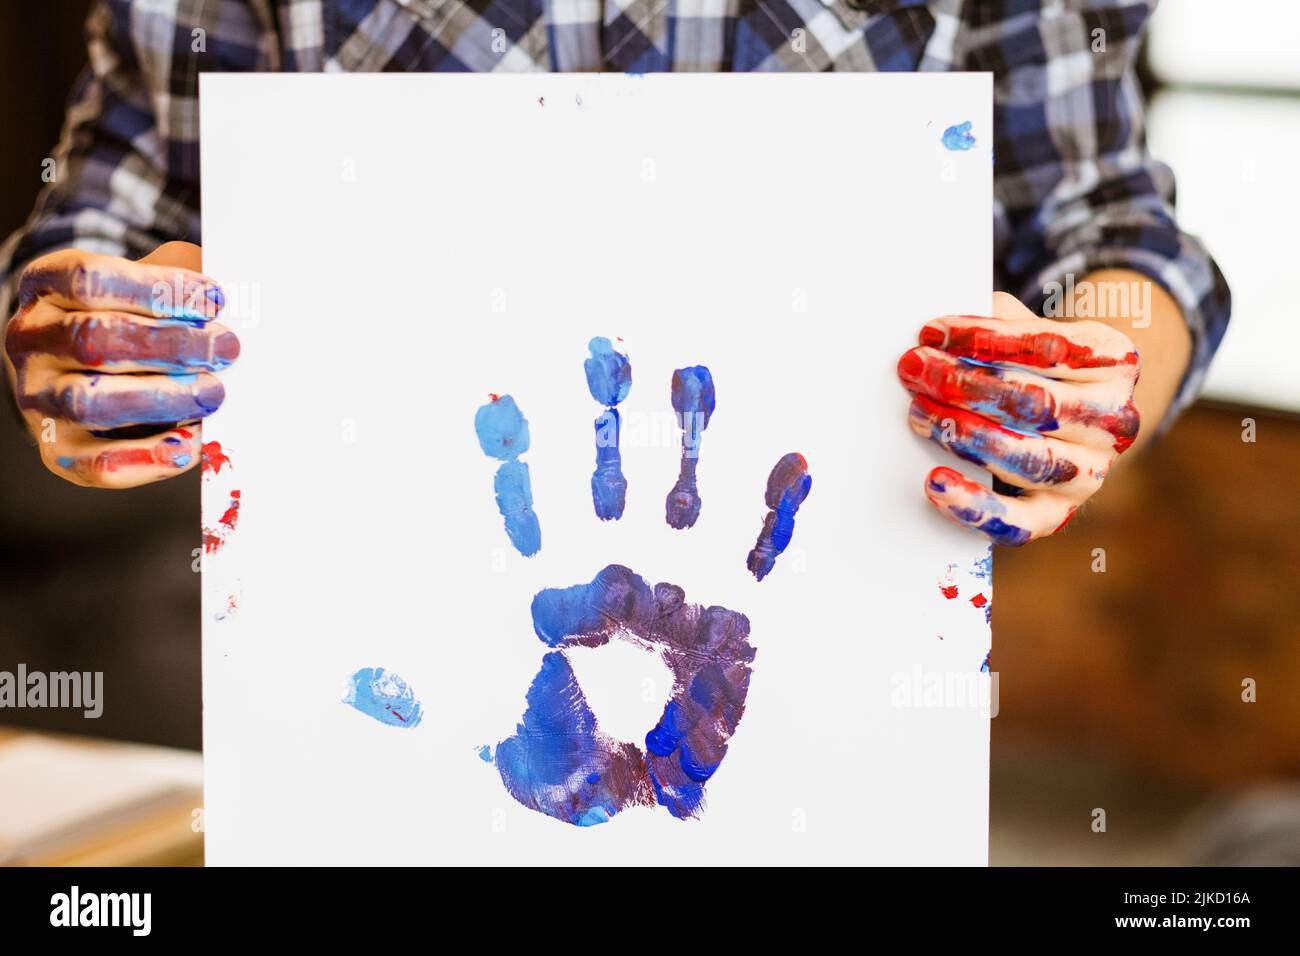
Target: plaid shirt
(1075, 189)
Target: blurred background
(1120, 691)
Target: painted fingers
(110, 359)
(1042, 405)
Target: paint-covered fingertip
(910, 367)
(946, 481)
(226, 348)
(933, 335)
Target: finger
(122, 342)
(1004, 520)
(1022, 401)
(75, 280)
(1084, 351)
(93, 462)
(1026, 461)
(114, 401)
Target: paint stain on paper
(609, 379)
(947, 587)
(213, 459)
(787, 488)
(958, 138)
(231, 608)
(384, 696)
(214, 538)
(560, 763)
(503, 434)
(694, 400)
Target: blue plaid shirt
(1075, 188)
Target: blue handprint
(559, 762)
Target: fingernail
(910, 366)
(935, 336)
(210, 396)
(226, 348)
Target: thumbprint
(694, 400)
(787, 487)
(384, 696)
(503, 434)
(958, 138)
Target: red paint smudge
(1037, 350)
(948, 590)
(186, 433)
(979, 600)
(213, 458)
(215, 538)
(232, 513)
(494, 396)
(1068, 519)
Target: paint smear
(787, 488)
(384, 696)
(214, 539)
(560, 763)
(971, 504)
(213, 459)
(231, 608)
(946, 585)
(503, 434)
(984, 668)
(694, 400)
(609, 379)
(958, 138)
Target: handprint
(559, 761)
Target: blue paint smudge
(958, 138)
(503, 434)
(787, 487)
(66, 461)
(609, 379)
(384, 696)
(694, 399)
(984, 668)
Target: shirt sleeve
(125, 177)
(1076, 189)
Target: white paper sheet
(397, 247)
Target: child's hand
(1045, 406)
(110, 359)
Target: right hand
(112, 362)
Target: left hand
(1044, 405)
